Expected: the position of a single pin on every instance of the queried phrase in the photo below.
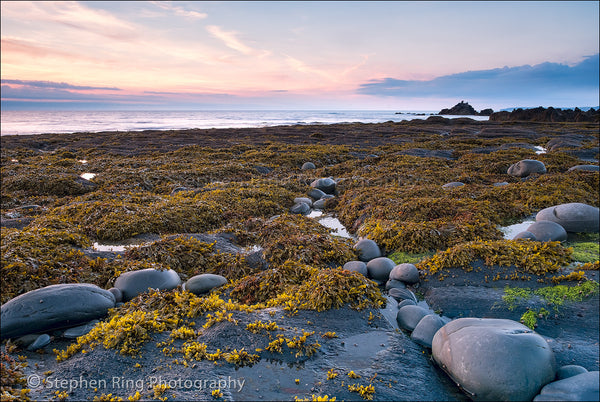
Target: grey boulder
(305, 200)
(452, 185)
(426, 328)
(574, 217)
(409, 316)
(588, 168)
(54, 307)
(315, 194)
(392, 283)
(308, 165)
(367, 250)
(526, 167)
(300, 208)
(582, 387)
(547, 231)
(569, 370)
(379, 268)
(326, 185)
(133, 283)
(525, 235)
(406, 302)
(402, 294)
(406, 272)
(203, 283)
(494, 359)
(356, 266)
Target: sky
(252, 55)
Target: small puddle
(330, 222)
(87, 176)
(82, 161)
(540, 150)
(512, 230)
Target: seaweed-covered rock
(367, 249)
(494, 359)
(203, 283)
(526, 167)
(380, 268)
(407, 273)
(547, 231)
(573, 217)
(582, 387)
(54, 307)
(356, 266)
(135, 282)
(326, 184)
(588, 168)
(409, 316)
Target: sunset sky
(298, 55)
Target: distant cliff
(548, 115)
(464, 109)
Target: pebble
(204, 283)
(40, 342)
(80, 330)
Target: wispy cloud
(507, 82)
(55, 85)
(177, 10)
(230, 39)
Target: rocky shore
(191, 265)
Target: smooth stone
(569, 370)
(379, 268)
(589, 168)
(392, 283)
(406, 272)
(406, 302)
(80, 330)
(581, 387)
(574, 217)
(316, 194)
(501, 184)
(547, 231)
(308, 165)
(356, 266)
(320, 204)
(367, 250)
(25, 340)
(327, 185)
(179, 190)
(409, 316)
(452, 185)
(40, 342)
(305, 200)
(203, 283)
(117, 294)
(54, 307)
(494, 359)
(300, 208)
(426, 328)
(526, 167)
(133, 283)
(402, 294)
(526, 235)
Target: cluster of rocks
(464, 109)
(553, 223)
(323, 190)
(71, 310)
(490, 359)
(547, 115)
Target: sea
(54, 122)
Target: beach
(277, 318)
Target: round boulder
(569, 370)
(426, 329)
(452, 185)
(409, 316)
(525, 235)
(326, 185)
(392, 283)
(315, 194)
(367, 250)
(547, 231)
(588, 168)
(526, 167)
(402, 294)
(305, 200)
(406, 273)
(308, 165)
(117, 294)
(494, 359)
(135, 282)
(356, 266)
(581, 387)
(406, 302)
(379, 268)
(300, 208)
(574, 217)
(54, 307)
(203, 283)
